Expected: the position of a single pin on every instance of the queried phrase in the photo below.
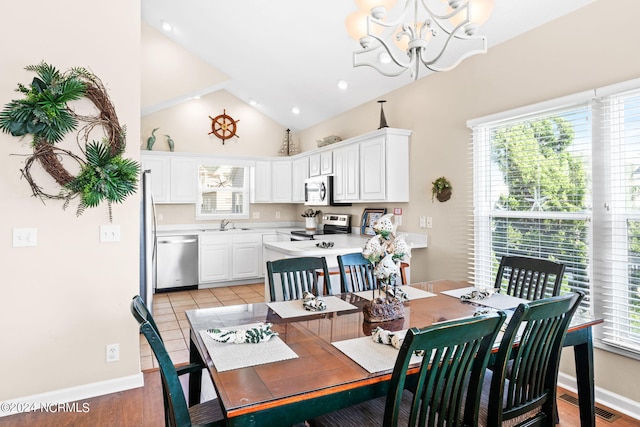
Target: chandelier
(438, 34)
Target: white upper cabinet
(321, 163)
(299, 172)
(281, 181)
(173, 178)
(346, 179)
(262, 182)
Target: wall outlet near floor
(113, 352)
(277, 214)
(256, 215)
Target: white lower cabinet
(246, 256)
(214, 258)
(228, 257)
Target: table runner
(372, 356)
(294, 308)
(412, 293)
(497, 301)
(228, 356)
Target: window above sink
(223, 191)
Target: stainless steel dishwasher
(177, 261)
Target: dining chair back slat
(297, 275)
(356, 273)
(524, 376)
(529, 278)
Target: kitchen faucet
(223, 224)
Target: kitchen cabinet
(272, 181)
(229, 256)
(346, 178)
(173, 178)
(281, 181)
(246, 260)
(262, 182)
(321, 163)
(372, 167)
(384, 166)
(214, 258)
(299, 172)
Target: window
(561, 181)
(223, 192)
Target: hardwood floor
(143, 407)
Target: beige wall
(595, 46)
(64, 300)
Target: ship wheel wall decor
(224, 126)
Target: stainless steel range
(331, 224)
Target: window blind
(617, 227)
(532, 195)
(561, 181)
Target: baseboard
(71, 394)
(605, 397)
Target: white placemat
(294, 308)
(372, 356)
(412, 293)
(227, 356)
(497, 301)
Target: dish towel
(476, 295)
(383, 336)
(312, 303)
(255, 335)
(395, 292)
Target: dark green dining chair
(294, 276)
(521, 387)
(446, 389)
(177, 412)
(356, 273)
(529, 278)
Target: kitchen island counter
(343, 244)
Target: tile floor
(168, 312)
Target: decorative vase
(310, 223)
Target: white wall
(64, 300)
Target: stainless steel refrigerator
(148, 241)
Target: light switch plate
(109, 233)
(23, 237)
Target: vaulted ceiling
(284, 53)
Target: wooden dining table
(322, 378)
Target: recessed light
(166, 26)
(196, 97)
(343, 84)
(384, 58)
(295, 110)
(253, 102)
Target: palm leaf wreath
(44, 114)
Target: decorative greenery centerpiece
(44, 113)
(386, 251)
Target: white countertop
(343, 244)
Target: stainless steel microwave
(318, 191)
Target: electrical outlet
(256, 215)
(429, 222)
(277, 214)
(113, 352)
